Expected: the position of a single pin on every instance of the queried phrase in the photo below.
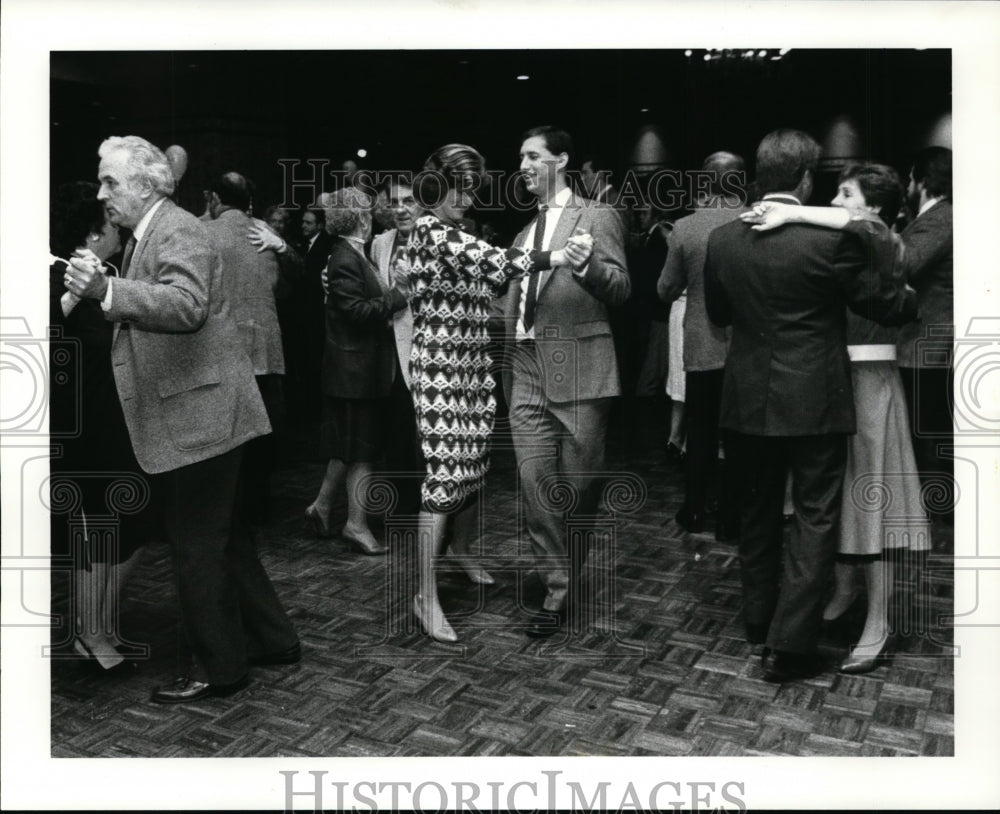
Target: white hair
(145, 161)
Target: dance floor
(654, 664)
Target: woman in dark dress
(453, 277)
(86, 421)
(359, 362)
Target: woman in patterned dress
(452, 279)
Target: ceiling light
(523, 77)
(362, 152)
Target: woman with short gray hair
(358, 366)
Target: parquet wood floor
(657, 665)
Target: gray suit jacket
(704, 343)
(250, 279)
(929, 264)
(402, 320)
(576, 349)
(185, 382)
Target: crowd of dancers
(800, 347)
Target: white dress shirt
(552, 215)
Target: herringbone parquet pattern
(655, 665)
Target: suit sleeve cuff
(106, 302)
(542, 261)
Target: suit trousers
(701, 414)
(560, 454)
(784, 586)
(929, 399)
(229, 608)
(261, 453)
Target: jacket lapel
(569, 218)
(147, 237)
(140, 250)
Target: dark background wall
(246, 110)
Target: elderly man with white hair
(191, 403)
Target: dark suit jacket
(928, 263)
(185, 382)
(309, 291)
(785, 292)
(359, 357)
(577, 351)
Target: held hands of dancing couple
(577, 251)
(85, 275)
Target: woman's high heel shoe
(479, 576)
(441, 632)
(372, 550)
(315, 519)
(107, 661)
(857, 665)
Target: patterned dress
(453, 277)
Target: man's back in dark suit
(788, 404)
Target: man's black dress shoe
(185, 690)
(691, 522)
(292, 655)
(780, 666)
(544, 623)
(756, 632)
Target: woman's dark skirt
(354, 430)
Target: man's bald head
(234, 191)
(725, 173)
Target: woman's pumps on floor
(858, 665)
(317, 521)
(433, 624)
(106, 656)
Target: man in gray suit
(704, 343)
(251, 279)
(561, 371)
(190, 402)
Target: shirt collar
(560, 200)
(143, 224)
(928, 205)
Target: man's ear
(146, 188)
(562, 161)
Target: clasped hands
(576, 253)
(85, 275)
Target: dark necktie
(529, 302)
(127, 258)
